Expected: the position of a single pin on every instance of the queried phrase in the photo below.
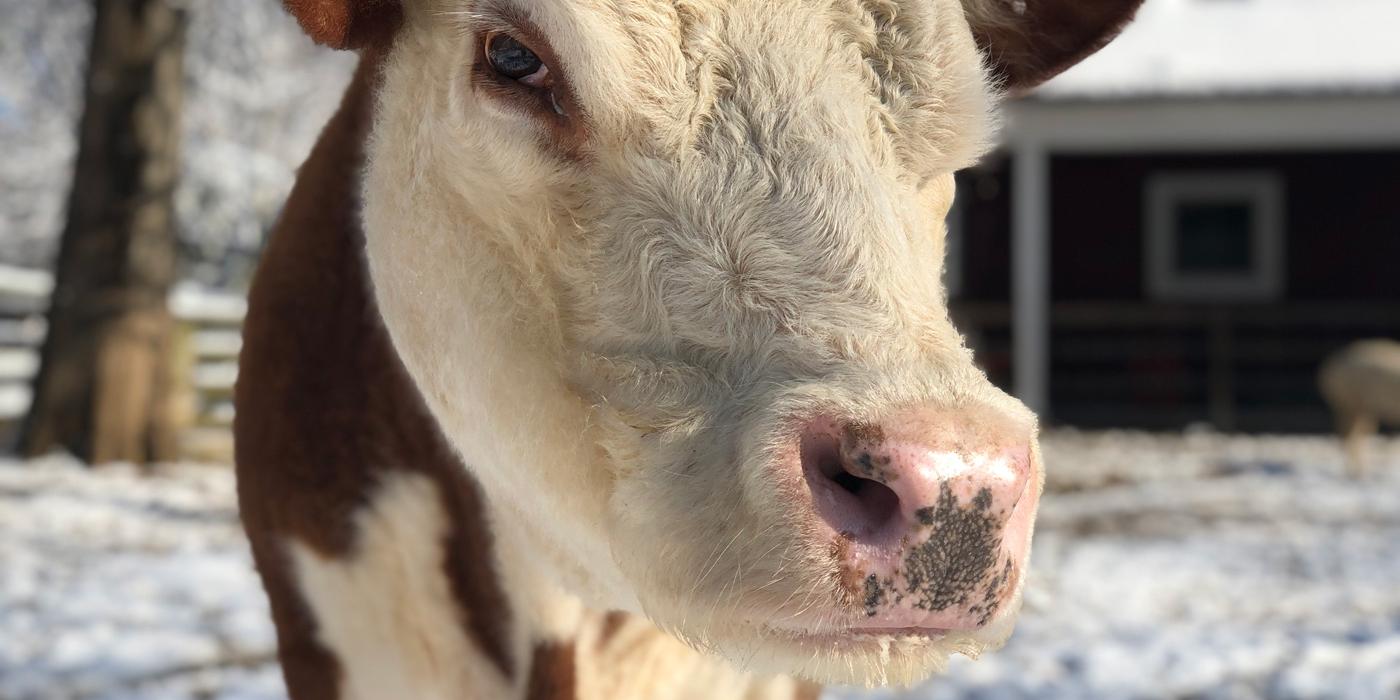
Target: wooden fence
(1164, 366)
(209, 336)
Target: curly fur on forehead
(926, 103)
(916, 61)
(686, 72)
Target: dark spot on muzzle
(959, 559)
(859, 448)
(874, 595)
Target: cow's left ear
(1030, 41)
(346, 24)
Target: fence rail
(1249, 367)
(209, 335)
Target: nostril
(851, 483)
(876, 506)
(861, 508)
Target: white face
(667, 273)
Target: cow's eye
(511, 59)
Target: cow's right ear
(347, 24)
(1027, 42)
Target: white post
(1030, 275)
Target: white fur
(1361, 383)
(617, 345)
(387, 612)
(639, 662)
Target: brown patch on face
(808, 691)
(1030, 46)
(324, 408)
(347, 24)
(848, 579)
(856, 434)
(553, 672)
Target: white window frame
(1261, 190)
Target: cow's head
(667, 274)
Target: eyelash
(545, 94)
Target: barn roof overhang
(1206, 123)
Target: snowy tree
(104, 376)
(257, 93)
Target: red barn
(1194, 218)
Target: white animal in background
(1361, 384)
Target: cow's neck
(378, 550)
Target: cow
(601, 351)
(1361, 384)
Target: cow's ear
(1030, 41)
(346, 24)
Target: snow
(24, 282)
(190, 300)
(257, 94)
(1193, 565)
(119, 585)
(14, 401)
(1203, 566)
(1205, 47)
(216, 316)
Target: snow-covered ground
(1165, 566)
(1203, 567)
(115, 585)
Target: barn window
(1215, 236)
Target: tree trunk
(104, 380)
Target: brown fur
(553, 675)
(1064, 32)
(346, 25)
(324, 406)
